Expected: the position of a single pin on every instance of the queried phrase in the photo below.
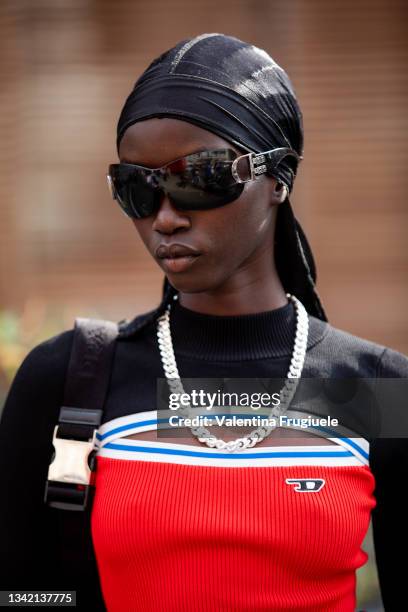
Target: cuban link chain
(286, 394)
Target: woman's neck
(245, 297)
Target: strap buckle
(71, 473)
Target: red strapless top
(184, 528)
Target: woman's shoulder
(369, 358)
(50, 355)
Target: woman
(185, 523)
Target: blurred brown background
(66, 69)
(66, 250)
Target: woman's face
(234, 242)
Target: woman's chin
(190, 283)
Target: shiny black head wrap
(237, 91)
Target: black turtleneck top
(255, 345)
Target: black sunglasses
(199, 181)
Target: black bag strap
(90, 362)
(70, 484)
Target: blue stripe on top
(220, 454)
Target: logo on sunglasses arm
(306, 485)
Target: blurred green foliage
(20, 332)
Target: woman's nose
(168, 219)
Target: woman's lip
(178, 264)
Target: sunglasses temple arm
(274, 157)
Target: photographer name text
(256, 421)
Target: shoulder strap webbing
(86, 386)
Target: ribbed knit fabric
(234, 337)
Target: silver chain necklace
(286, 394)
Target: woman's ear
(279, 192)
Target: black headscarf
(237, 91)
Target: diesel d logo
(306, 485)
